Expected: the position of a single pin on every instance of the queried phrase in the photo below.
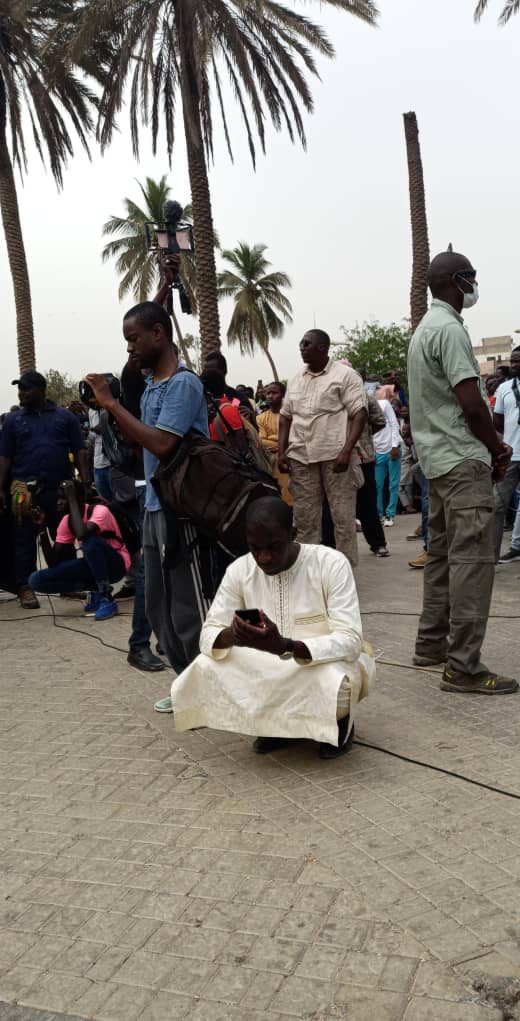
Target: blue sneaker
(92, 604)
(107, 608)
(164, 705)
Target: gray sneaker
(512, 556)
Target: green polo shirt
(441, 356)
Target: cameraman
(172, 404)
(35, 443)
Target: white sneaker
(388, 522)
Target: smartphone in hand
(250, 616)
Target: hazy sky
(335, 218)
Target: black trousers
(366, 509)
(25, 535)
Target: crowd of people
(270, 643)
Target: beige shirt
(319, 406)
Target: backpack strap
(104, 535)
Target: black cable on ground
(417, 613)
(438, 769)
(362, 744)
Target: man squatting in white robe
(301, 672)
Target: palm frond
(510, 8)
(265, 49)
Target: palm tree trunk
(182, 346)
(420, 245)
(15, 248)
(205, 267)
(269, 357)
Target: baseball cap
(30, 379)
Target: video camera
(174, 237)
(86, 393)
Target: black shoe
(127, 591)
(264, 745)
(511, 557)
(329, 751)
(143, 658)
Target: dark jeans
(101, 564)
(366, 509)
(102, 479)
(25, 536)
(141, 630)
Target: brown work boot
(27, 597)
(420, 562)
(481, 684)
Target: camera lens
(85, 391)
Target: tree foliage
(137, 267)
(45, 97)
(61, 388)
(185, 53)
(510, 7)
(376, 348)
(261, 308)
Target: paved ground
(158, 876)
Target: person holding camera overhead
(172, 404)
(35, 443)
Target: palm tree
(182, 48)
(261, 307)
(420, 243)
(511, 7)
(33, 76)
(139, 268)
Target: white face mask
(471, 297)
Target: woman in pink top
(105, 557)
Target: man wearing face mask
(459, 450)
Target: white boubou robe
(251, 692)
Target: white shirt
(506, 405)
(389, 437)
(252, 692)
(100, 460)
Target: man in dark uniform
(35, 444)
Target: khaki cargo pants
(309, 484)
(459, 574)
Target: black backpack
(127, 517)
(212, 486)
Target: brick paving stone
(362, 969)
(125, 1003)
(55, 990)
(167, 1007)
(321, 963)
(428, 1010)
(361, 1004)
(298, 996)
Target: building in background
(492, 352)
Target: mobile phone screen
(251, 616)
